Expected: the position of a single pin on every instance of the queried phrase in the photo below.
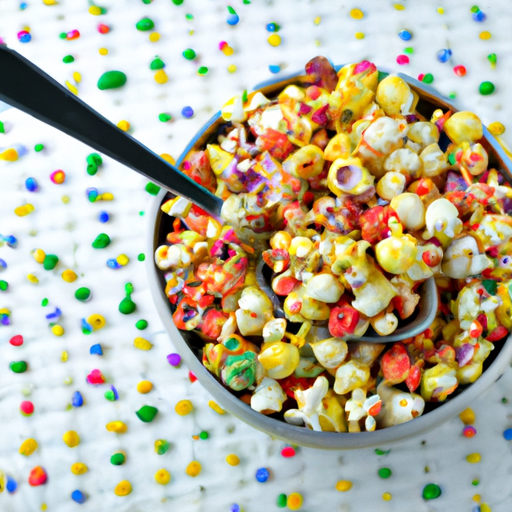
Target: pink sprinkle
(73, 34)
(421, 76)
(27, 408)
(222, 45)
(459, 70)
(95, 377)
(103, 29)
(402, 60)
(288, 452)
(16, 341)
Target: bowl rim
(280, 429)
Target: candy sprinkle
(111, 80)
(444, 55)
(274, 40)
(184, 407)
(144, 386)
(118, 459)
(262, 475)
(174, 360)
(78, 496)
(474, 458)
(294, 501)
(486, 88)
(356, 14)
(431, 492)
(187, 112)
(147, 413)
(384, 472)
(405, 35)
(193, 469)
(123, 488)
(469, 431)
(101, 241)
(162, 477)
(459, 70)
(162, 446)
(232, 459)
(343, 485)
(402, 60)
(71, 438)
(189, 54)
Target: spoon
(26, 87)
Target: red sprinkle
(288, 451)
(192, 377)
(37, 476)
(103, 29)
(17, 340)
(459, 70)
(27, 408)
(402, 60)
(469, 431)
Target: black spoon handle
(26, 87)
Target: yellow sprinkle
(77, 77)
(231, 68)
(168, 158)
(294, 501)
(485, 35)
(359, 35)
(69, 276)
(117, 426)
(64, 356)
(357, 14)
(72, 87)
(68, 381)
(32, 278)
(161, 77)
(57, 330)
(95, 10)
(65, 199)
(123, 488)
(343, 485)
(144, 386)
(399, 7)
(39, 255)
(123, 125)
(23, 210)
(228, 51)
(28, 447)
(122, 259)
(484, 507)
(232, 459)
(49, 2)
(71, 438)
(103, 51)
(274, 40)
(497, 128)
(154, 37)
(96, 321)
(467, 416)
(440, 10)
(44, 506)
(10, 155)
(193, 469)
(477, 498)
(142, 344)
(474, 458)
(162, 477)
(78, 468)
(216, 407)
(184, 407)
(107, 196)
(387, 496)
(317, 20)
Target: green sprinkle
(177, 2)
(83, 294)
(50, 261)
(141, 214)
(475, 482)
(127, 306)
(451, 158)
(117, 459)
(44, 302)
(475, 8)
(145, 24)
(109, 395)
(244, 96)
(504, 400)
(378, 451)
(157, 63)
(203, 70)
(231, 10)
(384, 472)
(38, 148)
(204, 435)
(2, 128)
(111, 80)
(93, 161)
(4, 285)
(128, 288)
(141, 257)
(281, 500)
(428, 78)
(18, 366)
(161, 446)
(68, 59)
(152, 189)
(409, 50)
(63, 35)
(164, 118)
(141, 324)
(147, 413)
(492, 58)
(189, 17)
(452, 95)
(431, 492)
(147, 2)
(189, 54)
(101, 241)
(486, 88)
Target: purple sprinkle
(187, 112)
(174, 359)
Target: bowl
(190, 346)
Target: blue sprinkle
(86, 327)
(78, 496)
(272, 27)
(443, 55)
(262, 475)
(25, 38)
(92, 193)
(112, 263)
(479, 16)
(103, 217)
(11, 485)
(31, 184)
(96, 349)
(234, 508)
(274, 69)
(508, 434)
(3, 264)
(116, 394)
(187, 112)
(23, 6)
(10, 240)
(404, 35)
(233, 19)
(55, 315)
(77, 400)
